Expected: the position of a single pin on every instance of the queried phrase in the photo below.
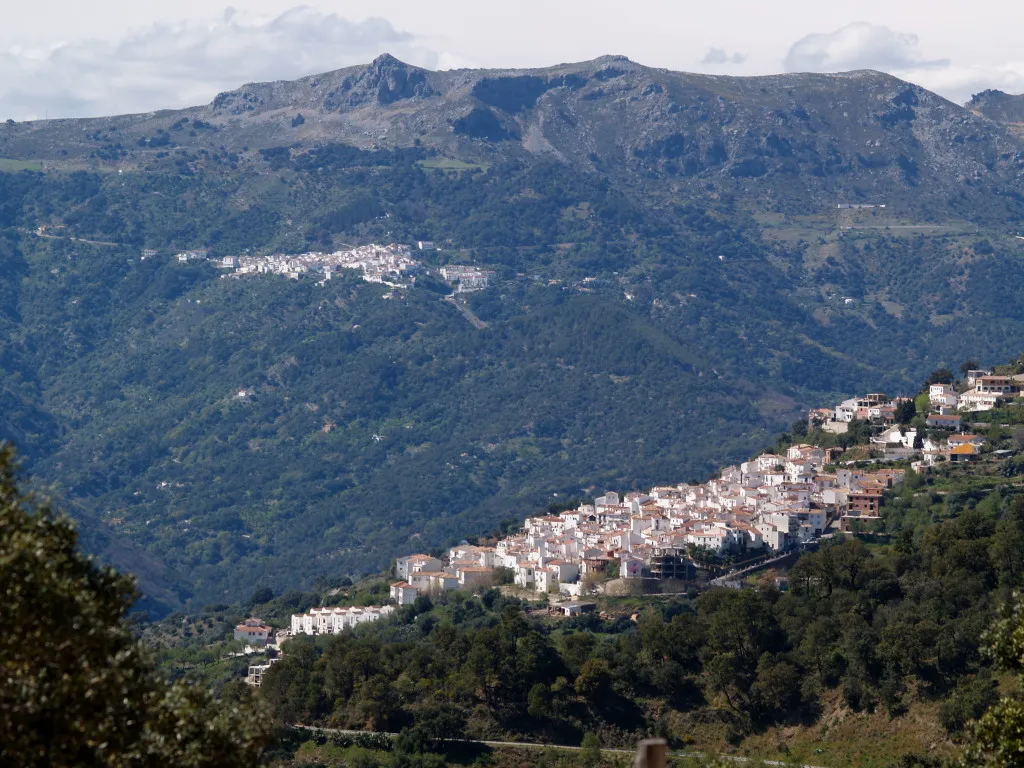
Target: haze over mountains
(675, 281)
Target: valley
(665, 280)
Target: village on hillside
(392, 265)
(773, 503)
(764, 510)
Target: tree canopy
(77, 688)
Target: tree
(998, 737)
(78, 688)
(260, 596)
(776, 690)
(939, 376)
(504, 575)
(969, 365)
(590, 752)
(441, 723)
(594, 681)
(905, 411)
(538, 701)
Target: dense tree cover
(631, 340)
(883, 626)
(998, 735)
(77, 688)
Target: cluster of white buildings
(331, 621)
(947, 407)
(196, 254)
(391, 265)
(464, 567)
(981, 391)
(466, 278)
(984, 392)
(388, 264)
(772, 502)
(874, 407)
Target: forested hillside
(652, 316)
(885, 649)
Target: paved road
(567, 748)
(68, 237)
(466, 312)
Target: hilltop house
(943, 421)
(253, 632)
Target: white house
(846, 411)
(565, 571)
(253, 632)
(475, 575)
(630, 567)
(331, 621)
(545, 579)
(525, 575)
(942, 396)
(404, 593)
(973, 376)
(894, 436)
(433, 581)
(405, 566)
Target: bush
(969, 701)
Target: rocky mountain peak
(1000, 107)
(383, 81)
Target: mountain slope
(1001, 108)
(673, 282)
(858, 136)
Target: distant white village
(392, 265)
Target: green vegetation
(78, 689)
(451, 164)
(635, 335)
(885, 629)
(9, 165)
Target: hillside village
(392, 265)
(763, 511)
(771, 503)
(772, 506)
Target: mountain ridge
(866, 132)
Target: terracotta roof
(964, 450)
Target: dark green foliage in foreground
(77, 688)
(998, 737)
(885, 627)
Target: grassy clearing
(451, 164)
(11, 165)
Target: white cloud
(871, 46)
(719, 56)
(858, 46)
(181, 64)
(958, 83)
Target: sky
(80, 58)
